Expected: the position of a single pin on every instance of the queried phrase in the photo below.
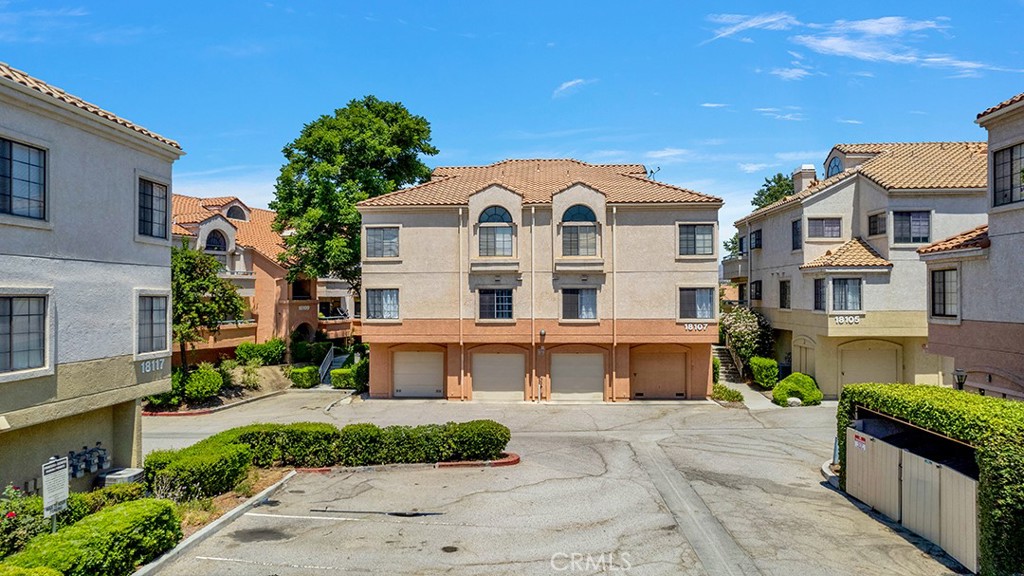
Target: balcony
(338, 327)
(736, 269)
(243, 280)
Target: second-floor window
(784, 294)
(876, 224)
(743, 245)
(22, 180)
(741, 293)
(945, 293)
(696, 239)
(152, 326)
(1008, 181)
(495, 232)
(382, 242)
(152, 209)
(22, 333)
(697, 303)
(824, 227)
(579, 232)
(579, 303)
(797, 235)
(910, 227)
(495, 304)
(820, 288)
(755, 239)
(381, 304)
(755, 290)
(846, 294)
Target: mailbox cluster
(88, 460)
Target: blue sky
(718, 95)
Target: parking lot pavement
(691, 488)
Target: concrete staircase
(727, 372)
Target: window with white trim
(381, 303)
(846, 294)
(945, 293)
(824, 227)
(495, 232)
(22, 333)
(152, 324)
(696, 303)
(579, 303)
(22, 180)
(152, 209)
(696, 239)
(495, 304)
(911, 227)
(382, 242)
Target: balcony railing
(736, 267)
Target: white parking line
(271, 564)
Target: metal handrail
(325, 366)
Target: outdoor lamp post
(960, 376)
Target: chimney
(803, 177)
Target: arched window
(495, 232)
(834, 167)
(579, 232)
(216, 242)
(236, 213)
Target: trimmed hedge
(269, 353)
(723, 393)
(995, 427)
(203, 383)
(343, 378)
(361, 373)
(716, 367)
(765, 371)
(6, 570)
(797, 385)
(305, 377)
(111, 542)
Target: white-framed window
(495, 232)
(911, 227)
(22, 333)
(696, 239)
(945, 289)
(236, 213)
(579, 303)
(381, 303)
(696, 303)
(152, 324)
(152, 209)
(824, 227)
(784, 294)
(382, 242)
(22, 180)
(846, 294)
(1008, 180)
(495, 303)
(876, 224)
(579, 232)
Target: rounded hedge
(797, 385)
(765, 371)
(205, 382)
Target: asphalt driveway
(690, 488)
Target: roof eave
(848, 269)
(986, 118)
(972, 252)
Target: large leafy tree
(368, 148)
(774, 189)
(201, 300)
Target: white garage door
(577, 377)
(419, 374)
(499, 376)
(858, 366)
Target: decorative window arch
(579, 213)
(495, 232)
(834, 167)
(236, 213)
(579, 231)
(216, 242)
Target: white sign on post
(55, 486)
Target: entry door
(499, 377)
(803, 360)
(419, 374)
(658, 376)
(858, 366)
(577, 376)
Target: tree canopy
(774, 189)
(200, 299)
(368, 148)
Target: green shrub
(251, 375)
(361, 373)
(203, 383)
(226, 369)
(207, 468)
(343, 378)
(305, 377)
(479, 440)
(175, 396)
(303, 444)
(111, 542)
(6, 570)
(716, 367)
(300, 351)
(992, 425)
(318, 351)
(797, 385)
(723, 393)
(765, 371)
(269, 353)
(750, 334)
(361, 445)
(247, 352)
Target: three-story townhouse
(540, 280)
(85, 280)
(834, 266)
(974, 297)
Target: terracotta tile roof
(854, 254)
(256, 232)
(906, 166)
(537, 181)
(19, 77)
(975, 238)
(1001, 105)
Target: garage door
(869, 366)
(419, 374)
(577, 376)
(499, 376)
(658, 376)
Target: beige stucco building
(974, 278)
(834, 267)
(84, 277)
(540, 280)
(244, 241)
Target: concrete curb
(212, 528)
(216, 408)
(509, 459)
(347, 399)
(826, 473)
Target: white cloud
(668, 154)
(736, 23)
(791, 73)
(796, 55)
(848, 121)
(713, 105)
(570, 86)
(887, 26)
(766, 110)
(750, 167)
(778, 114)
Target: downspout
(462, 352)
(533, 304)
(615, 316)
